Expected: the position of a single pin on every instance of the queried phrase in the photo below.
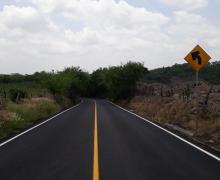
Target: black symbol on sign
(195, 56)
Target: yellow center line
(96, 151)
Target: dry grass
(32, 109)
(5, 115)
(17, 116)
(192, 114)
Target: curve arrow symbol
(195, 56)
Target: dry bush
(24, 113)
(192, 111)
(5, 115)
(2, 103)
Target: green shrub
(2, 103)
(12, 125)
(24, 114)
(62, 100)
(17, 94)
(33, 111)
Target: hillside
(170, 97)
(184, 72)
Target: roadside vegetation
(169, 96)
(166, 95)
(25, 99)
(16, 116)
(210, 73)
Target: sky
(37, 35)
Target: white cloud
(187, 4)
(191, 25)
(111, 33)
(193, 28)
(41, 37)
(24, 18)
(188, 29)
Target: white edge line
(169, 132)
(32, 128)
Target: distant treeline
(115, 83)
(184, 72)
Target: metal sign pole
(197, 96)
(197, 78)
(197, 58)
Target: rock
(211, 141)
(177, 128)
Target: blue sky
(38, 35)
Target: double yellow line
(96, 149)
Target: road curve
(128, 149)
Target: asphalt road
(128, 149)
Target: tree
(117, 82)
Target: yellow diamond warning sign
(197, 58)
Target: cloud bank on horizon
(38, 35)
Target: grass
(188, 115)
(25, 113)
(32, 89)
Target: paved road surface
(128, 149)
